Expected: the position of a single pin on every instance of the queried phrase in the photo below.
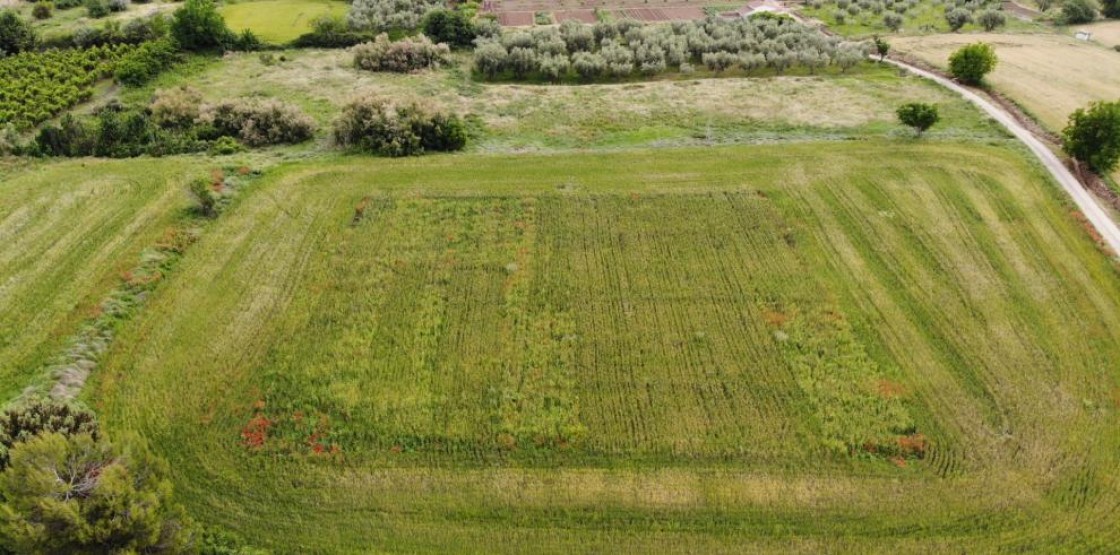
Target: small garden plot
(279, 21)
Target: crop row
(35, 86)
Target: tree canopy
(1093, 136)
(972, 62)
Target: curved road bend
(1100, 220)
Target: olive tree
(957, 18)
(893, 21)
(588, 65)
(991, 19)
(490, 59)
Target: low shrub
(246, 41)
(42, 10)
(225, 146)
(257, 122)
(201, 190)
(401, 56)
(377, 126)
(117, 5)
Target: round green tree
(1093, 136)
(198, 26)
(972, 62)
(918, 116)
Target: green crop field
(279, 21)
(815, 347)
(66, 232)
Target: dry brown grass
(1106, 33)
(1049, 75)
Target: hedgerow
(624, 48)
(175, 123)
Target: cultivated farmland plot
(817, 347)
(66, 236)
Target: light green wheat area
(674, 350)
(67, 232)
(279, 21)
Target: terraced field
(64, 239)
(844, 347)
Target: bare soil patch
(582, 16)
(516, 19)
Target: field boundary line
(1097, 217)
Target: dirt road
(1096, 216)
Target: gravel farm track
(1096, 216)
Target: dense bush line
(624, 48)
(38, 85)
(401, 56)
(378, 126)
(176, 122)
